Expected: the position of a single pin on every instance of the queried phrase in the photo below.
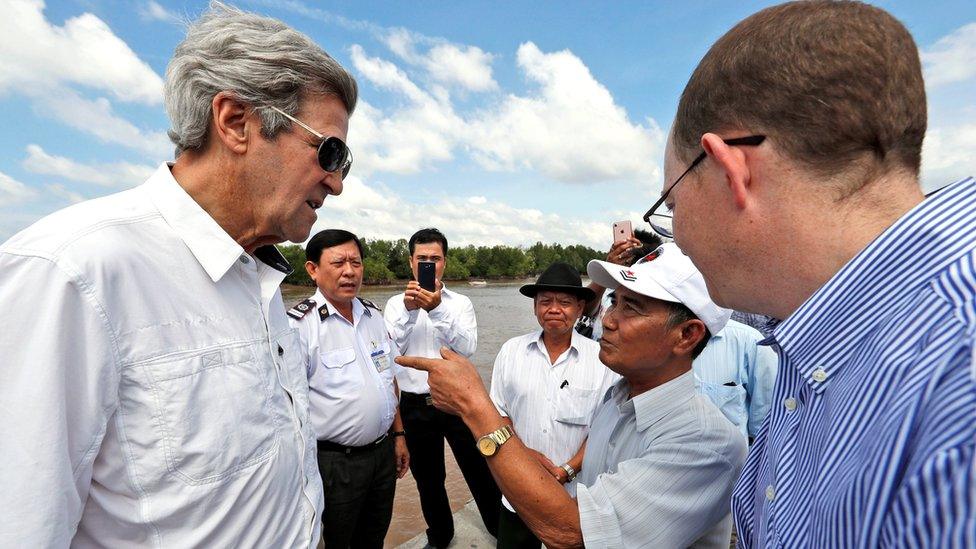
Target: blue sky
(499, 122)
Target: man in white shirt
(422, 322)
(153, 392)
(352, 394)
(660, 459)
(547, 384)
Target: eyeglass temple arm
(297, 121)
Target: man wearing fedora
(547, 384)
(660, 460)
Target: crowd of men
(155, 392)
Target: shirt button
(770, 492)
(790, 404)
(245, 260)
(819, 375)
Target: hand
(621, 253)
(417, 297)
(401, 455)
(556, 471)
(455, 385)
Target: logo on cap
(628, 275)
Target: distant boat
(477, 283)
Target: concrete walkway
(469, 532)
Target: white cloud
(952, 58)
(35, 55)
(114, 174)
(97, 118)
(13, 191)
(467, 67)
(947, 155)
(571, 130)
(63, 192)
(153, 11)
(423, 130)
(378, 212)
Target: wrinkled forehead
(346, 250)
(554, 295)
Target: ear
(230, 122)
(689, 334)
(311, 269)
(732, 161)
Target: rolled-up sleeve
(668, 497)
(59, 391)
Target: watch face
(486, 446)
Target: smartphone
(622, 230)
(425, 275)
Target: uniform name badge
(381, 360)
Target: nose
(610, 319)
(333, 182)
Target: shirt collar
(212, 247)
(358, 308)
(574, 343)
(820, 336)
(654, 405)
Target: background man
(803, 126)
(547, 384)
(352, 394)
(421, 323)
(158, 397)
(660, 460)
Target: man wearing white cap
(661, 461)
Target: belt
(329, 446)
(415, 398)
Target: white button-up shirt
(659, 469)
(350, 372)
(550, 404)
(419, 333)
(152, 390)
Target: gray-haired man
(158, 397)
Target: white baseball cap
(666, 274)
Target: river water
(503, 313)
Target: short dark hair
(327, 239)
(426, 236)
(650, 242)
(679, 313)
(836, 85)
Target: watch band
(398, 434)
(570, 472)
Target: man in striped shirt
(803, 129)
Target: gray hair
(260, 60)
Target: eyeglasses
(750, 140)
(333, 154)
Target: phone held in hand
(622, 230)
(425, 275)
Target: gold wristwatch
(488, 445)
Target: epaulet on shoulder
(299, 311)
(368, 303)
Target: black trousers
(358, 490)
(427, 428)
(514, 534)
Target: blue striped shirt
(870, 439)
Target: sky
(498, 122)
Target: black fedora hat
(559, 277)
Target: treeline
(387, 261)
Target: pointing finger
(418, 363)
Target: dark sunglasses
(750, 140)
(333, 154)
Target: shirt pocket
(729, 399)
(340, 373)
(575, 406)
(212, 412)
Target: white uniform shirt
(419, 333)
(152, 390)
(550, 405)
(659, 470)
(350, 372)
